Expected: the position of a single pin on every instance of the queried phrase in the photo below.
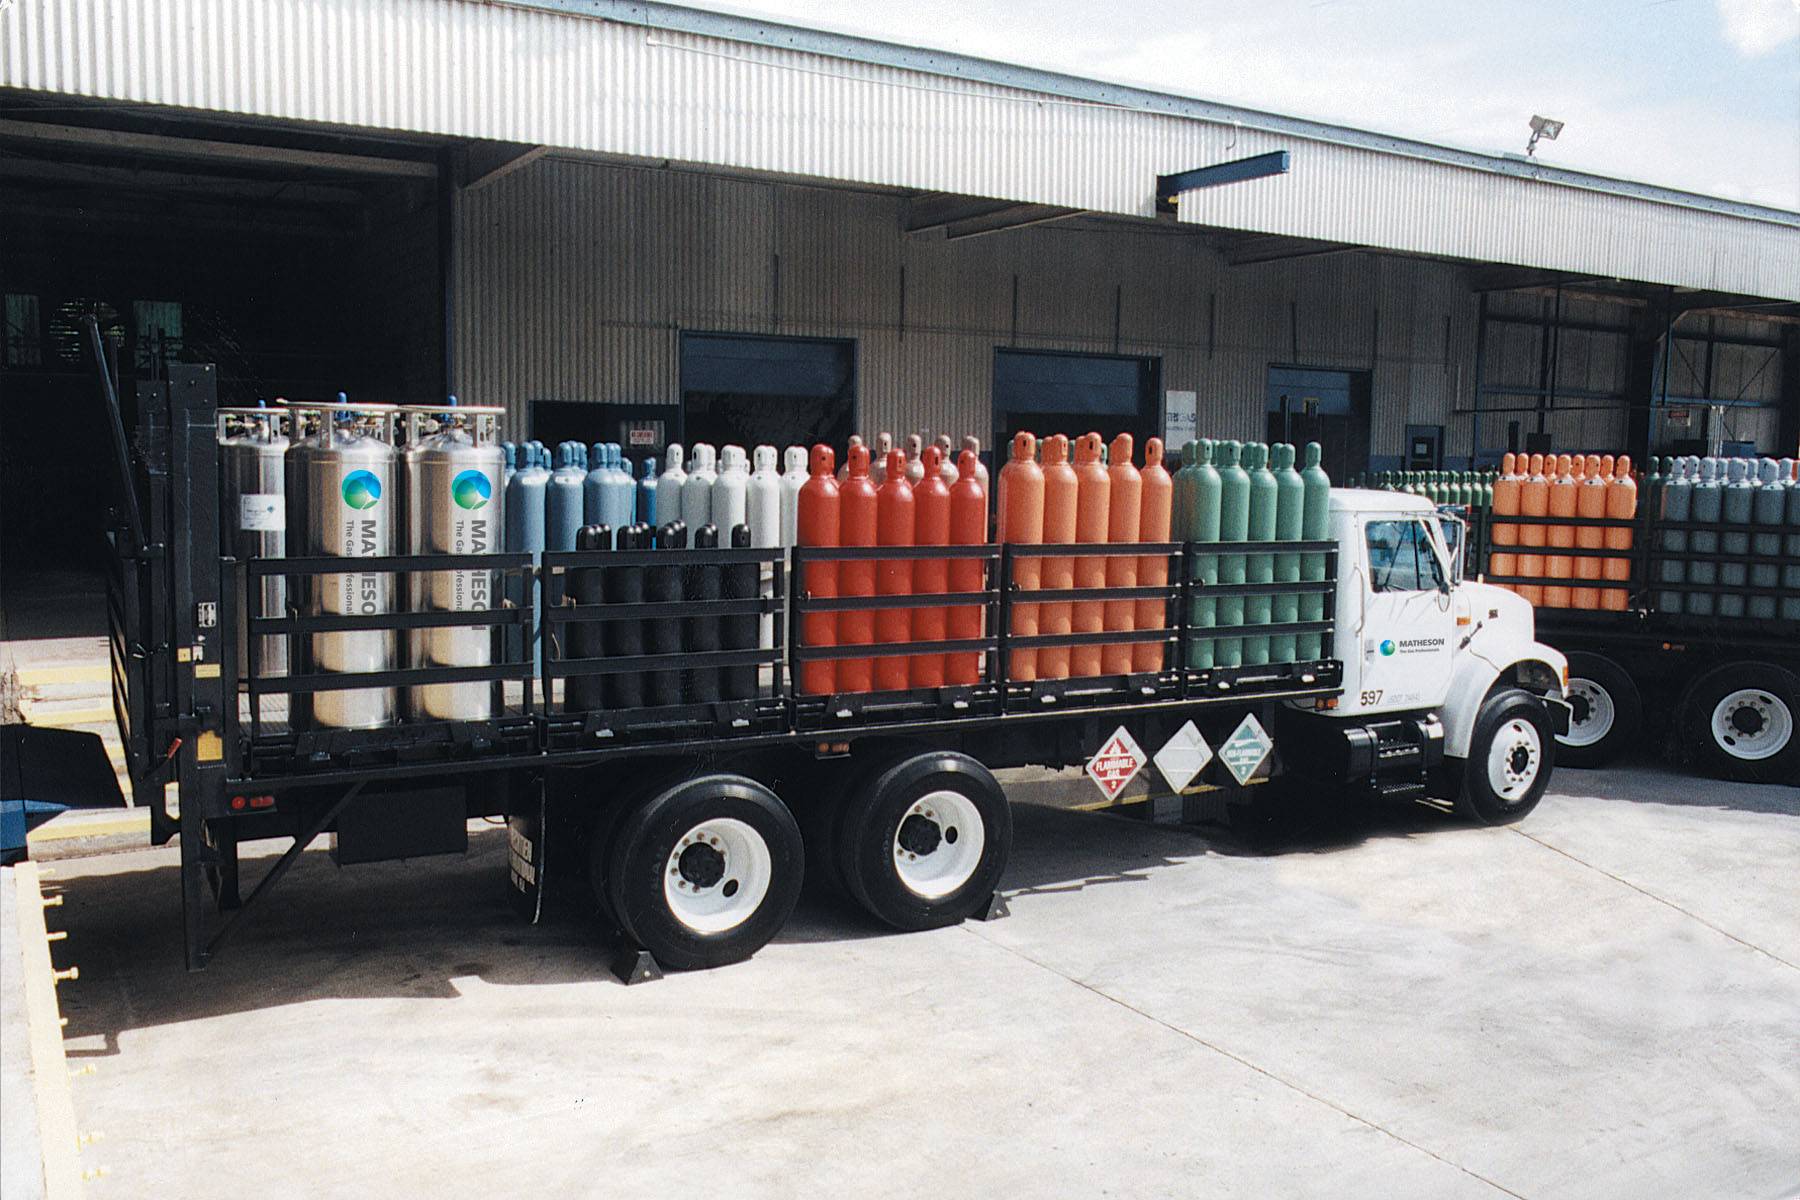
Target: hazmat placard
(1182, 757)
(1246, 748)
(1117, 763)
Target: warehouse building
(644, 223)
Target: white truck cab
(1444, 680)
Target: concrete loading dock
(1599, 1002)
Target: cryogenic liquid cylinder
(1234, 526)
(793, 478)
(968, 527)
(1590, 505)
(1201, 527)
(1259, 568)
(895, 517)
(1157, 496)
(563, 499)
(1315, 525)
(930, 576)
(884, 446)
(669, 485)
(350, 493)
(696, 493)
(1093, 508)
(1125, 510)
(1677, 505)
(1061, 514)
(1563, 499)
(454, 506)
(645, 508)
(1706, 506)
(913, 467)
(1621, 504)
(1290, 498)
(1735, 509)
(857, 526)
(1767, 512)
(731, 491)
(252, 469)
(817, 524)
(1534, 501)
(742, 582)
(1021, 516)
(973, 446)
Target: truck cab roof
(1370, 500)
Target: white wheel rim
(1599, 714)
(1752, 724)
(938, 844)
(1514, 759)
(717, 875)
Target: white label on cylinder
(262, 512)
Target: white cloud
(1756, 27)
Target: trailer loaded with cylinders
(685, 695)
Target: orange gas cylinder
(1021, 508)
(1093, 522)
(1563, 494)
(930, 576)
(895, 513)
(816, 524)
(1125, 504)
(1621, 505)
(857, 526)
(1534, 501)
(1158, 500)
(1590, 505)
(1607, 463)
(1061, 486)
(1506, 504)
(968, 527)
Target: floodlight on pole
(1542, 127)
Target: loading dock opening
(1037, 390)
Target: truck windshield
(1401, 558)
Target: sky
(1702, 95)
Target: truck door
(1401, 657)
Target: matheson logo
(471, 490)
(362, 489)
(1387, 647)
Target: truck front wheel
(1510, 755)
(1607, 712)
(703, 872)
(923, 843)
(1740, 719)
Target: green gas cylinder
(1315, 525)
(1181, 510)
(1259, 568)
(1203, 526)
(1234, 526)
(1290, 495)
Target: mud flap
(525, 828)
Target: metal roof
(659, 82)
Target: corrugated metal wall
(577, 277)
(463, 69)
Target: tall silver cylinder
(345, 478)
(454, 497)
(253, 446)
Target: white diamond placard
(1117, 763)
(1182, 757)
(1246, 748)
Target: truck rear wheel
(704, 871)
(1510, 755)
(923, 843)
(1607, 712)
(1739, 721)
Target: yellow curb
(136, 820)
(61, 1143)
(41, 715)
(86, 673)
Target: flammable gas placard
(1116, 764)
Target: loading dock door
(1045, 393)
(1328, 407)
(749, 390)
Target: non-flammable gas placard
(1116, 764)
(1246, 748)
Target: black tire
(1477, 798)
(1615, 696)
(1769, 702)
(644, 848)
(870, 836)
